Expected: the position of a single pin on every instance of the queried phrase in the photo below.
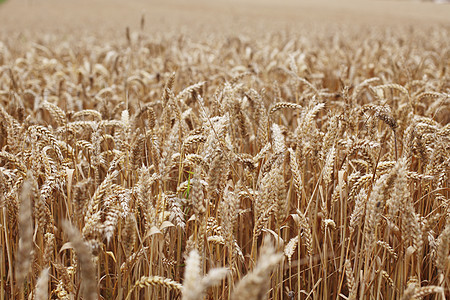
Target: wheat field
(150, 161)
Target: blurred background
(201, 15)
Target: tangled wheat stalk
(192, 183)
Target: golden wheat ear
(255, 284)
(85, 260)
(25, 247)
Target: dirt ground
(228, 16)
